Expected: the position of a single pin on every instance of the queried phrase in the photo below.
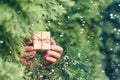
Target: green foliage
(75, 25)
(19, 19)
(111, 38)
(10, 71)
(79, 34)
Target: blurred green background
(88, 31)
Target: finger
(52, 41)
(51, 59)
(53, 54)
(57, 48)
(29, 48)
(28, 54)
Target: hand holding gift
(51, 53)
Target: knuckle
(54, 60)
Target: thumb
(52, 41)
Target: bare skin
(50, 56)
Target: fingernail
(31, 48)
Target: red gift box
(41, 40)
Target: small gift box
(41, 40)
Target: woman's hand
(53, 54)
